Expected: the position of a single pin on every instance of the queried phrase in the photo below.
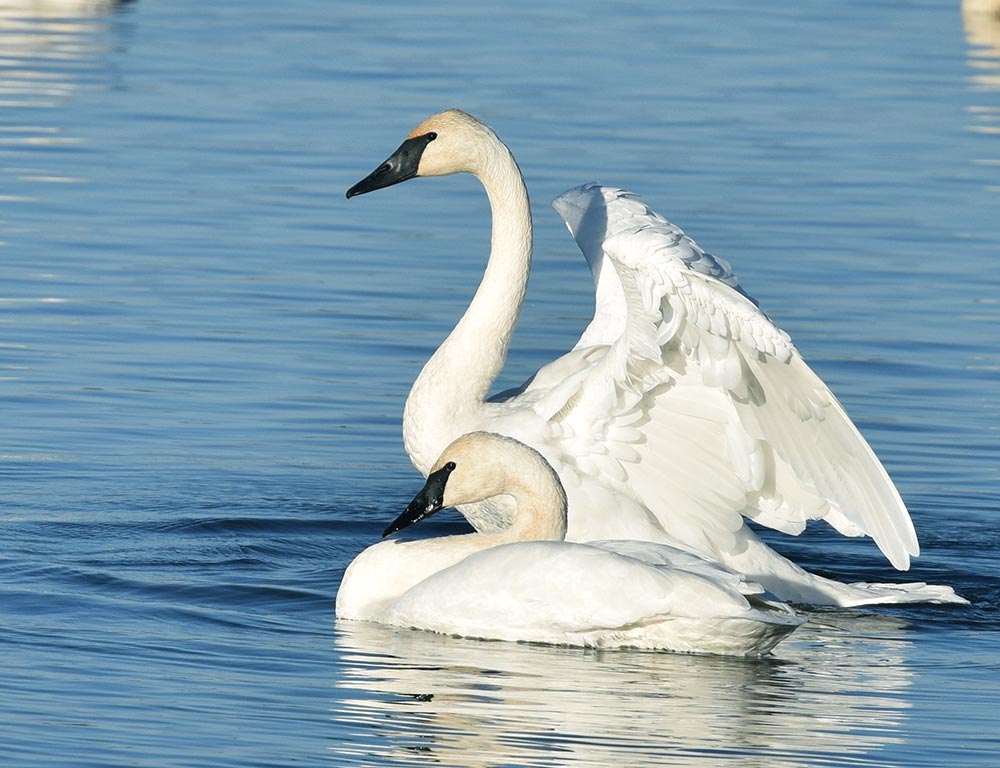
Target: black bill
(424, 504)
(401, 165)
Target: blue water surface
(205, 349)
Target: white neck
(540, 513)
(487, 465)
(447, 398)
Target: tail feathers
(794, 585)
(864, 593)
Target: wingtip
(899, 556)
(576, 197)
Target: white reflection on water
(47, 48)
(40, 42)
(414, 697)
(981, 19)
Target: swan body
(526, 584)
(682, 411)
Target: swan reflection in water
(44, 44)
(981, 20)
(836, 689)
(47, 48)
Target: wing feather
(686, 395)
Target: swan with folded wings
(680, 414)
(527, 583)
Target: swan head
(481, 465)
(448, 142)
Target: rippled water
(204, 351)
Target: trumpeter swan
(681, 412)
(526, 583)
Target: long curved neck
(447, 398)
(540, 514)
(539, 507)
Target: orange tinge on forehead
(420, 130)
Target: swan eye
(450, 466)
(431, 136)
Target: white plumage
(525, 584)
(681, 412)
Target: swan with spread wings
(681, 413)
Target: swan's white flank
(681, 413)
(526, 583)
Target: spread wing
(684, 396)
